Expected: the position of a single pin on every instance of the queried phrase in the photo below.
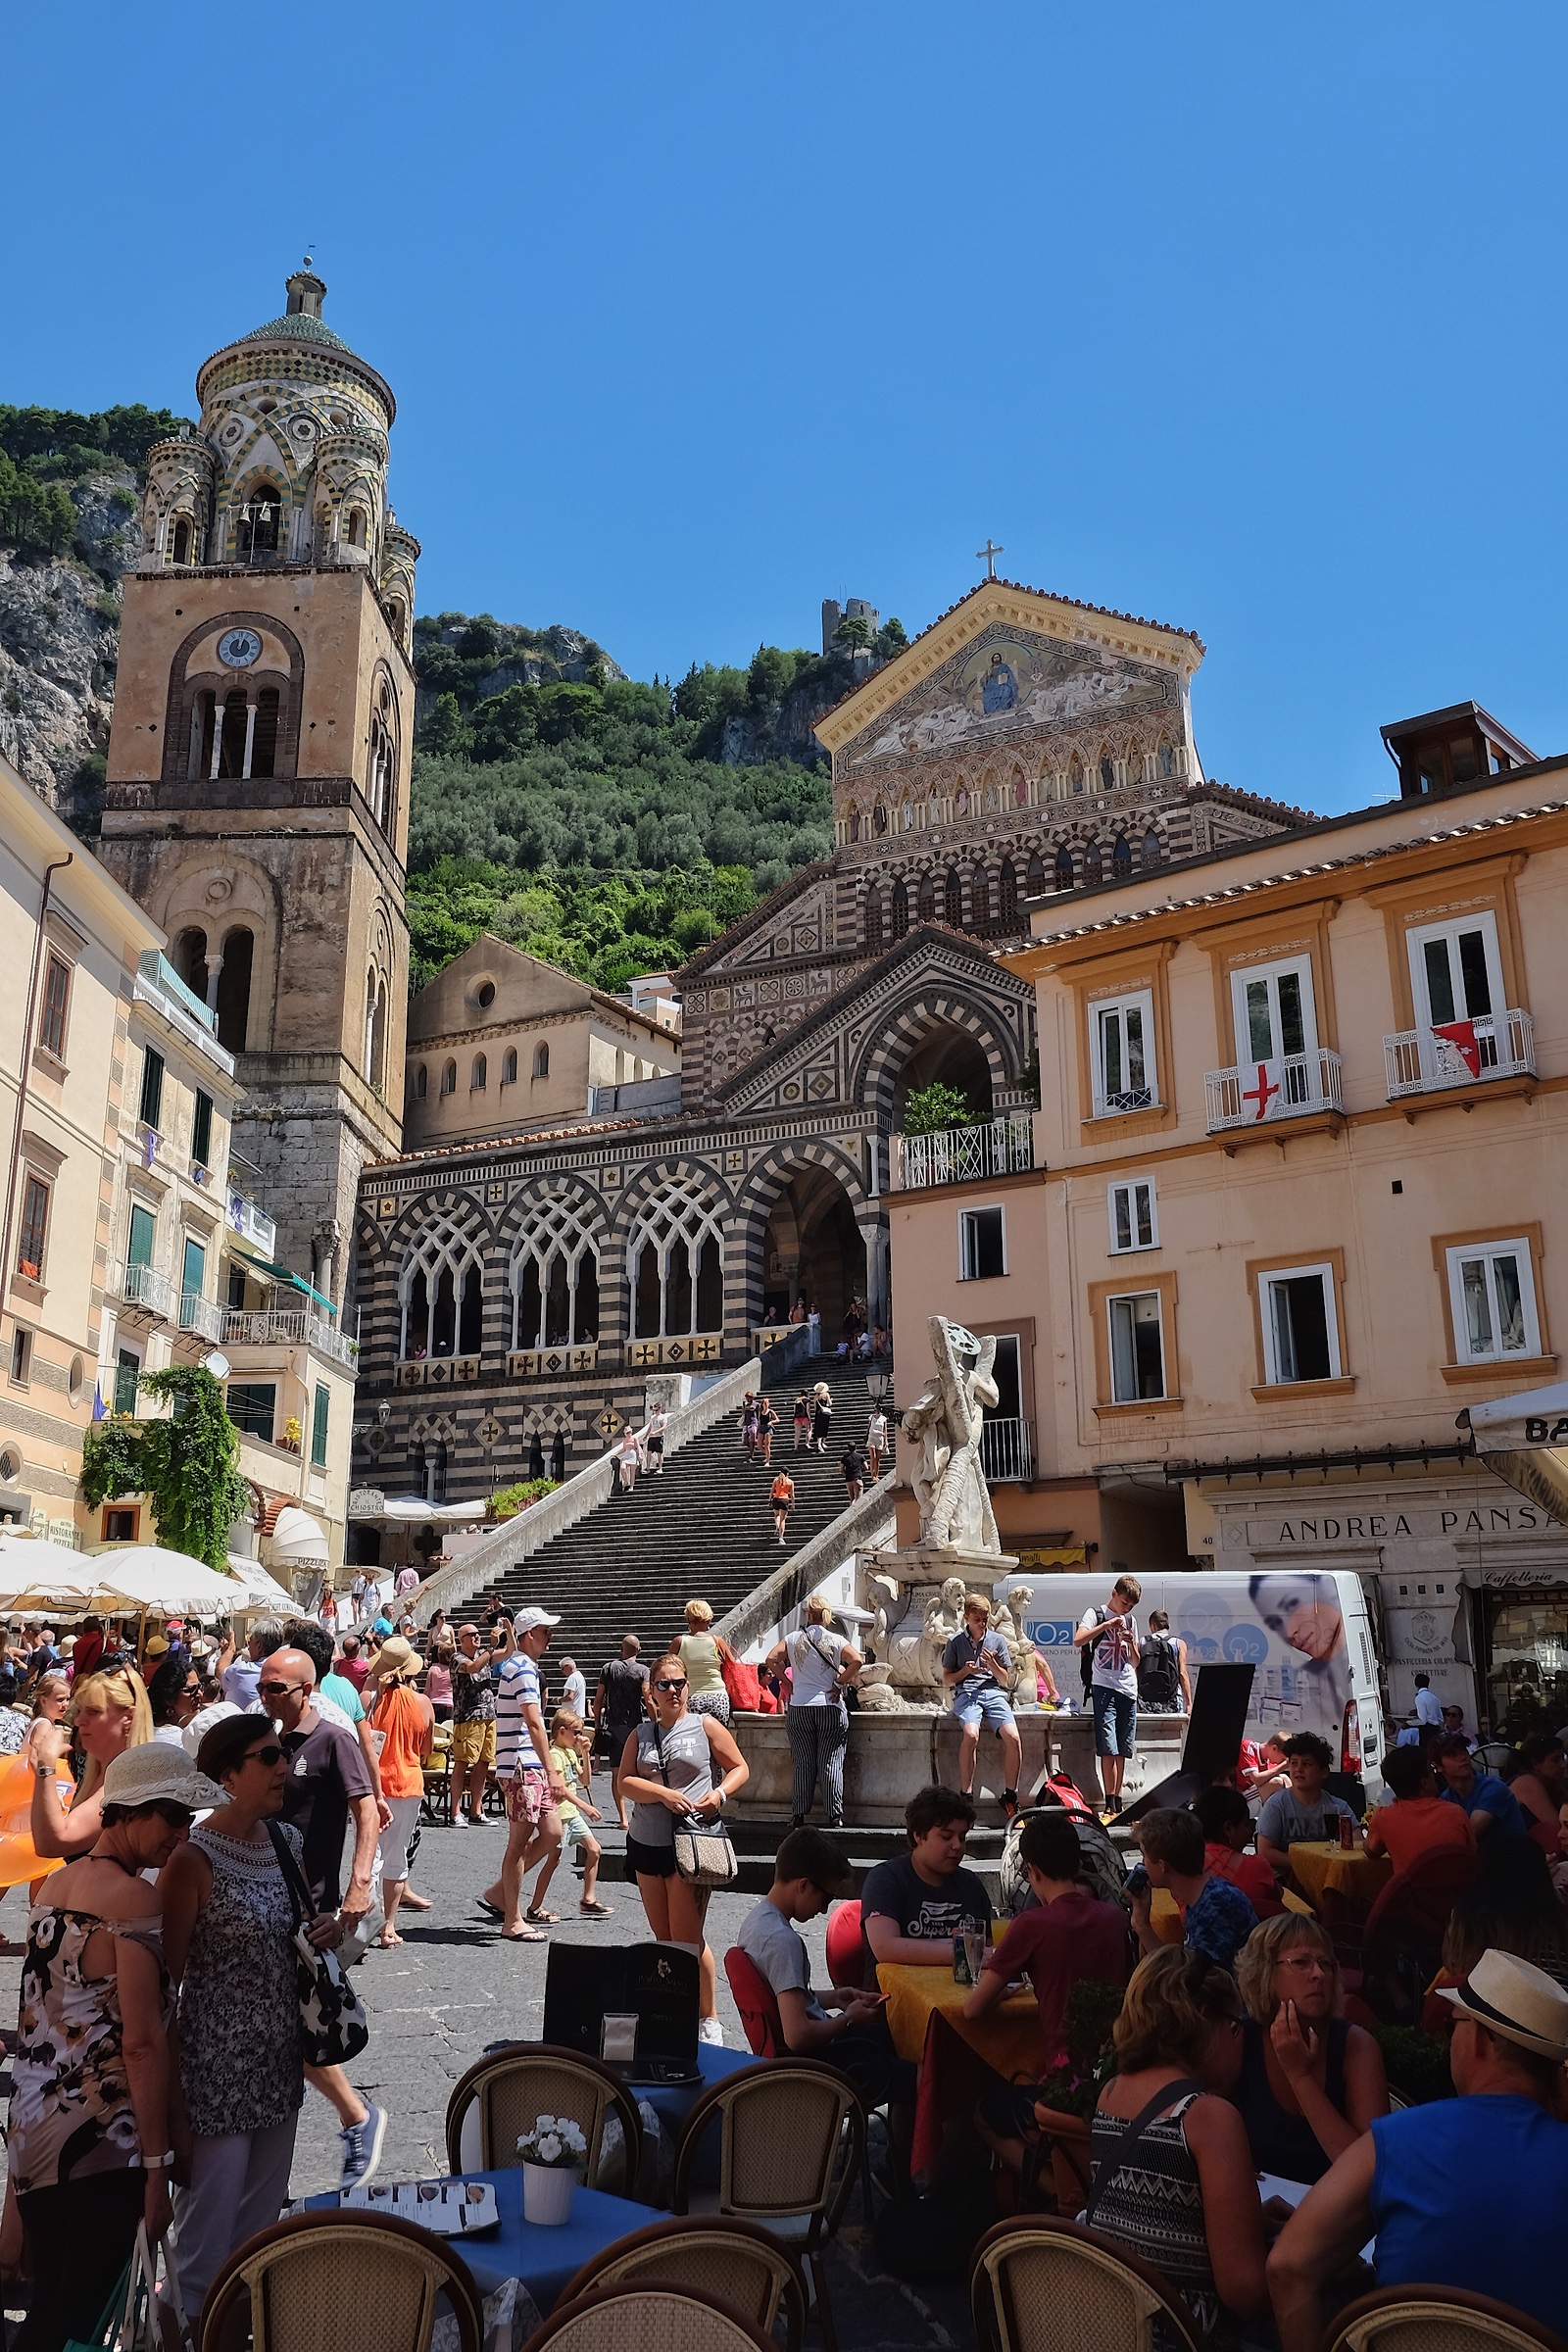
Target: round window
(78, 1379)
(485, 994)
(9, 1466)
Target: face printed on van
(1304, 1611)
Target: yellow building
(1294, 1206)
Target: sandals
(543, 1919)
(486, 1904)
(523, 1936)
(597, 1910)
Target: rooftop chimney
(305, 292)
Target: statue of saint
(945, 1423)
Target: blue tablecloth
(673, 2102)
(543, 2259)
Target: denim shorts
(988, 1706)
(1115, 1721)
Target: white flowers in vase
(556, 2142)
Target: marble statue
(944, 1424)
(1007, 1619)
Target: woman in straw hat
(89, 2150)
(1464, 2193)
(404, 1723)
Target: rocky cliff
(59, 642)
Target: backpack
(1159, 1679)
(1086, 1656)
(1099, 1865)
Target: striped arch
(901, 1031)
(759, 1195)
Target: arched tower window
(1121, 858)
(1093, 869)
(261, 524)
(509, 1066)
(952, 900)
(1008, 894)
(422, 1083)
(1036, 874)
(382, 776)
(449, 1077)
(925, 905)
(901, 909)
(1065, 875)
(356, 526)
(180, 540)
(674, 1262)
(375, 1009)
(873, 919)
(479, 1077)
(1152, 848)
(441, 1293)
(190, 961)
(541, 1061)
(979, 897)
(233, 1001)
(554, 1278)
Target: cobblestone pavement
(455, 1984)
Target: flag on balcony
(98, 1408)
(1459, 1037)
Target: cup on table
(974, 1953)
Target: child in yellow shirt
(566, 1757)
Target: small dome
(296, 326)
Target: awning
(297, 1540)
(297, 1282)
(262, 1591)
(1524, 1441)
(408, 1511)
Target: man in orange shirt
(1418, 1821)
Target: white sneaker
(709, 2028)
(459, 1819)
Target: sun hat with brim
(157, 1774)
(395, 1660)
(1513, 1997)
(822, 1389)
(157, 1646)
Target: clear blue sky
(1249, 320)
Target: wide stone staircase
(702, 1531)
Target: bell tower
(257, 796)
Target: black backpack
(1086, 1656)
(1159, 1676)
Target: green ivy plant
(185, 1466)
(518, 1496)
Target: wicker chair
(1437, 2319)
(512, 2086)
(793, 2132)
(735, 2261)
(308, 2283)
(1041, 2283)
(627, 2319)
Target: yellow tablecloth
(1006, 2037)
(1357, 1875)
(1163, 1915)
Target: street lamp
(877, 1385)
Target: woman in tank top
(1181, 2193)
(406, 1723)
(1308, 2084)
(668, 1769)
(704, 1657)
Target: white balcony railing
(1263, 1093)
(288, 1327)
(202, 1316)
(1421, 1061)
(1005, 1454)
(141, 1285)
(1129, 1097)
(954, 1155)
(254, 1223)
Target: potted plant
(554, 2154)
(1071, 2090)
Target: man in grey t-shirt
(1111, 1636)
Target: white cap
(528, 1621)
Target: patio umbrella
(34, 1575)
(262, 1591)
(139, 1576)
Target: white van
(1309, 1632)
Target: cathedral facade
(1023, 744)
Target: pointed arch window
(979, 897)
(873, 920)
(357, 530)
(926, 903)
(1008, 894)
(441, 1292)
(1064, 872)
(479, 1075)
(1121, 858)
(541, 1061)
(1152, 848)
(952, 900)
(674, 1262)
(1036, 874)
(900, 908)
(180, 540)
(422, 1083)
(509, 1066)
(376, 1013)
(1093, 870)
(449, 1077)
(554, 1278)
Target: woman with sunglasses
(89, 2147)
(108, 1714)
(229, 1938)
(667, 1769)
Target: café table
(671, 2102)
(959, 2058)
(1322, 1866)
(543, 2259)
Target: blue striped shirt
(516, 1687)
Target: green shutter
(201, 1132)
(318, 1420)
(151, 1088)
(253, 1406)
(143, 1226)
(127, 1371)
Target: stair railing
(860, 1526)
(517, 1540)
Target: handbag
(333, 2025)
(704, 1855)
(743, 1684)
(129, 2321)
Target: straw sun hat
(157, 1773)
(1514, 1998)
(822, 1389)
(396, 1660)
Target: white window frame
(1142, 1002)
(1415, 941)
(967, 1273)
(1132, 1186)
(1466, 1253)
(1273, 1376)
(1125, 1297)
(1243, 978)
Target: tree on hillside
(853, 633)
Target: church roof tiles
(298, 327)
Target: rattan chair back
(311, 2283)
(513, 2088)
(628, 2318)
(1041, 2283)
(1437, 2319)
(737, 2262)
(792, 2135)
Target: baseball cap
(528, 1621)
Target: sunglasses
(177, 1817)
(268, 1755)
(670, 1686)
(276, 1689)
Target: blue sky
(1250, 321)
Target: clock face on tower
(237, 648)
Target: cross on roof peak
(988, 554)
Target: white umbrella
(34, 1575)
(144, 1576)
(262, 1591)
(1524, 1440)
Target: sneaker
(459, 1819)
(361, 2148)
(709, 2028)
